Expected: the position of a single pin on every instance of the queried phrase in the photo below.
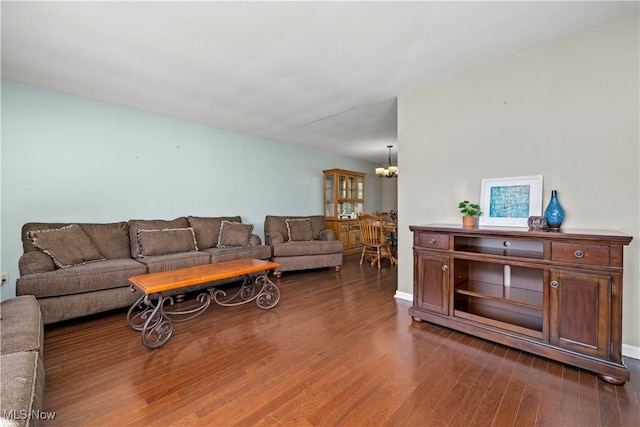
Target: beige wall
(389, 194)
(569, 111)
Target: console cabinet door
(431, 282)
(580, 314)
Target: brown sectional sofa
(302, 242)
(79, 269)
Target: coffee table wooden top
(175, 279)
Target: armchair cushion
(273, 223)
(67, 246)
(299, 229)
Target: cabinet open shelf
(501, 247)
(506, 294)
(504, 319)
(506, 307)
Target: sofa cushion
(207, 229)
(299, 229)
(111, 239)
(166, 241)
(230, 254)
(151, 224)
(175, 261)
(67, 246)
(314, 247)
(234, 234)
(96, 276)
(22, 328)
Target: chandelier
(389, 171)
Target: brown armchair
(302, 242)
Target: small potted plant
(469, 213)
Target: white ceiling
(321, 74)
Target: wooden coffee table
(149, 316)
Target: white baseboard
(631, 351)
(404, 296)
(627, 350)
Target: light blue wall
(72, 159)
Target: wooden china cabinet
(554, 294)
(343, 202)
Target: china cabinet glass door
(329, 196)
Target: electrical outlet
(4, 278)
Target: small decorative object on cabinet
(469, 213)
(343, 202)
(554, 212)
(537, 223)
(557, 295)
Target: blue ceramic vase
(554, 212)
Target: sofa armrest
(328, 235)
(255, 240)
(35, 262)
(274, 237)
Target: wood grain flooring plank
(549, 409)
(511, 401)
(496, 396)
(532, 394)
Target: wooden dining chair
(391, 235)
(374, 240)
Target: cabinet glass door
(351, 185)
(358, 208)
(329, 203)
(342, 187)
(359, 188)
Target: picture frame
(510, 201)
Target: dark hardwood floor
(338, 349)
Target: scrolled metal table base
(268, 296)
(149, 316)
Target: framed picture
(510, 201)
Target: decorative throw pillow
(165, 241)
(207, 229)
(234, 234)
(299, 230)
(67, 246)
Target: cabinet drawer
(579, 253)
(432, 240)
